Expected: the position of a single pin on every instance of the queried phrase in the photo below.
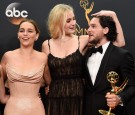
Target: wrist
(120, 100)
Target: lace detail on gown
(67, 86)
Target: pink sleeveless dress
(24, 90)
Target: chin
(70, 33)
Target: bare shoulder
(45, 47)
(84, 39)
(41, 56)
(45, 43)
(8, 54)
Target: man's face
(95, 31)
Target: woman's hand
(47, 90)
(105, 13)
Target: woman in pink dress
(25, 69)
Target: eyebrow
(27, 29)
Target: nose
(73, 22)
(88, 30)
(25, 32)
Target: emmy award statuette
(113, 78)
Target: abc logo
(16, 13)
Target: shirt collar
(105, 46)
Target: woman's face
(70, 25)
(27, 34)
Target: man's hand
(112, 100)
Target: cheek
(33, 36)
(74, 22)
(66, 26)
(100, 34)
(19, 35)
(97, 32)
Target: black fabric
(67, 85)
(95, 50)
(115, 59)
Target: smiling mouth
(90, 35)
(73, 27)
(25, 38)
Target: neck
(66, 38)
(102, 42)
(26, 51)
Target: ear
(17, 35)
(37, 37)
(105, 30)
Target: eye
(21, 30)
(68, 20)
(93, 26)
(74, 18)
(30, 31)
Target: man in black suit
(98, 63)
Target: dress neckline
(70, 55)
(30, 73)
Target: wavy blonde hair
(57, 19)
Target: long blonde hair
(57, 19)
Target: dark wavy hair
(107, 21)
(32, 22)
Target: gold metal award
(113, 78)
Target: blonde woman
(65, 58)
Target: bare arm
(3, 65)
(47, 79)
(120, 41)
(47, 76)
(3, 97)
(45, 47)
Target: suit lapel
(102, 67)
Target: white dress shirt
(94, 62)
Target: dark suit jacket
(115, 59)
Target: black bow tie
(99, 49)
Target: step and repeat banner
(13, 11)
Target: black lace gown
(66, 89)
